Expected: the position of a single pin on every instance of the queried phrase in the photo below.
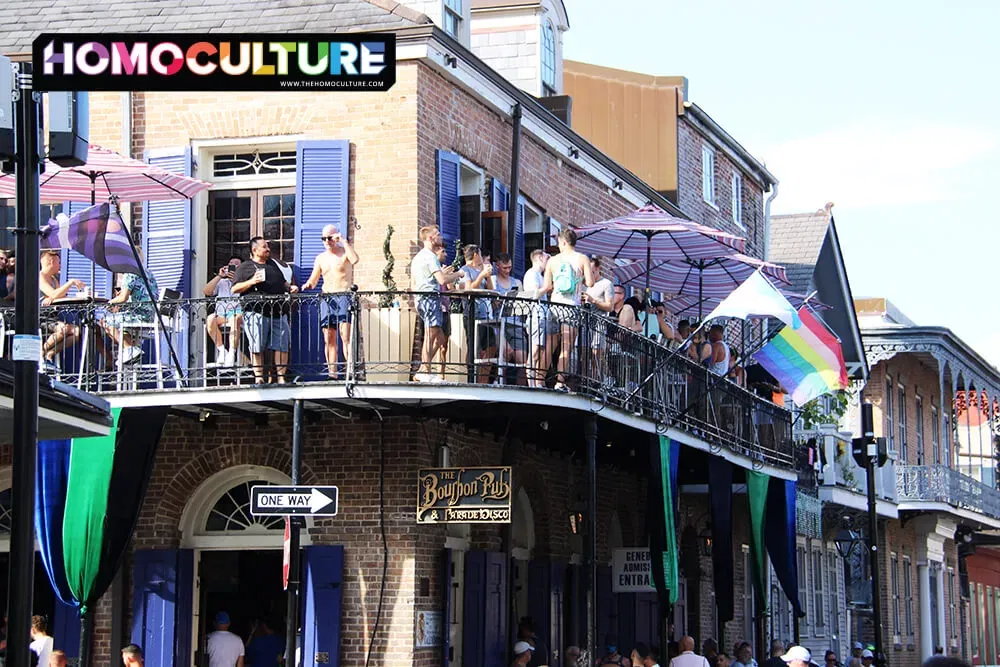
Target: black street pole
(590, 549)
(292, 612)
(873, 555)
(515, 177)
(26, 356)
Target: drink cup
(260, 274)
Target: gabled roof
(22, 21)
(806, 244)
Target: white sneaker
(130, 353)
(231, 358)
(220, 356)
(427, 377)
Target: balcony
(493, 344)
(941, 484)
(841, 480)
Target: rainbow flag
(807, 361)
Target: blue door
(159, 622)
(322, 578)
(540, 603)
(484, 627)
(474, 604)
(496, 610)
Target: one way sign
(294, 500)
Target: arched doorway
(237, 556)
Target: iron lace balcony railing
(938, 483)
(480, 339)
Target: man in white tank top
(720, 351)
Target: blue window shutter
(154, 604)
(167, 249)
(498, 196)
(473, 632)
(66, 628)
(449, 572)
(496, 610)
(185, 603)
(322, 184)
(449, 213)
(518, 252)
(323, 575)
(76, 266)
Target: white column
(924, 612)
(942, 638)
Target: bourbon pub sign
(464, 495)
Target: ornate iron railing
(386, 337)
(938, 483)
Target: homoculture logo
(191, 62)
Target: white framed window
(919, 428)
(453, 18)
(737, 203)
(818, 608)
(901, 422)
(548, 59)
(894, 593)
(952, 607)
(890, 424)
(908, 595)
(708, 174)
(935, 436)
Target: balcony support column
(924, 611)
(942, 638)
(945, 437)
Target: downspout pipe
(767, 221)
(515, 169)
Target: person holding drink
(227, 311)
(266, 324)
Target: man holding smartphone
(266, 322)
(335, 266)
(227, 311)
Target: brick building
(434, 150)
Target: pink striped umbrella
(715, 277)
(108, 174)
(650, 232)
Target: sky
(888, 109)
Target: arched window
(231, 512)
(548, 59)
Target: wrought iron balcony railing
(372, 338)
(938, 483)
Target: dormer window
(548, 59)
(453, 17)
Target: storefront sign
(631, 571)
(429, 629)
(464, 495)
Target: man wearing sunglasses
(335, 266)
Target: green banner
(757, 483)
(90, 464)
(670, 561)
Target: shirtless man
(62, 335)
(567, 275)
(336, 267)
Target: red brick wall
(689, 143)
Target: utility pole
(294, 574)
(870, 453)
(26, 355)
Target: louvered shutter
(77, 267)
(449, 215)
(321, 191)
(322, 578)
(517, 254)
(167, 249)
(498, 196)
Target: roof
(21, 22)
(806, 244)
(63, 411)
(796, 241)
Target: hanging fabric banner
(779, 536)
(757, 483)
(720, 491)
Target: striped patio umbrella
(651, 233)
(703, 278)
(108, 174)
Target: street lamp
(847, 539)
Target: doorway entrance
(244, 584)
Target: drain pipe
(515, 168)
(767, 220)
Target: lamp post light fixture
(847, 539)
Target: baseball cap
(867, 654)
(522, 647)
(858, 645)
(222, 618)
(797, 653)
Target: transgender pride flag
(98, 234)
(807, 361)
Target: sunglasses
(328, 238)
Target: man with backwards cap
(224, 648)
(522, 654)
(797, 656)
(613, 658)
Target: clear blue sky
(889, 109)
